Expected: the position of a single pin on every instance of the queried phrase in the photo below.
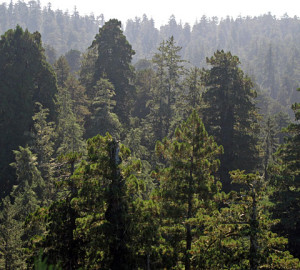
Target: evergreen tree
(269, 144)
(102, 118)
(11, 230)
(27, 174)
(186, 185)
(91, 225)
(265, 249)
(73, 58)
(270, 74)
(79, 98)
(69, 132)
(24, 199)
(26, 77)
(62, 70)
(168, 66)
(239, 236)
(60, 245)
(230, 114)
(191, 97)
(114, 63)
(42, 146)
(285, 180)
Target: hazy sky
(184, 10)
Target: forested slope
(113, 158)
(267, 46)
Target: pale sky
(184, 10)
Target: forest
(132, 147)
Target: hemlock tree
(26, 77)
(230, 114)
(186, 185)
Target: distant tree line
(266, 45)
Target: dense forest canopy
(146, 148)
(267, 46)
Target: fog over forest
(138, 147)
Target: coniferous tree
(62, 70)
(269, 144)
(230, 114)
(265, 249)
(42, 146)
(26, 77)
(114, 63)
(168, 66)
(11, 230)
(69, 132)
(102, 118)
(79, 98)
(186, 185)
(191, 97)
(91, 225)
(73, 58)
(60, 245)
(285, 180)
(24, 199)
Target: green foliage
(80, 103)
(73, 58)
(42, 145)
(102, 118)
(239, 235)
(95, 206)
(40, 264)
(24, 199)
(62, 70)
(266, 249)
(25, 79)
(230, 113)
(69, 132)
(11, 253)
(285, 180)
(169, 69)
(191, 97)
(114, 63)
(91, 225)
(186, 185)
